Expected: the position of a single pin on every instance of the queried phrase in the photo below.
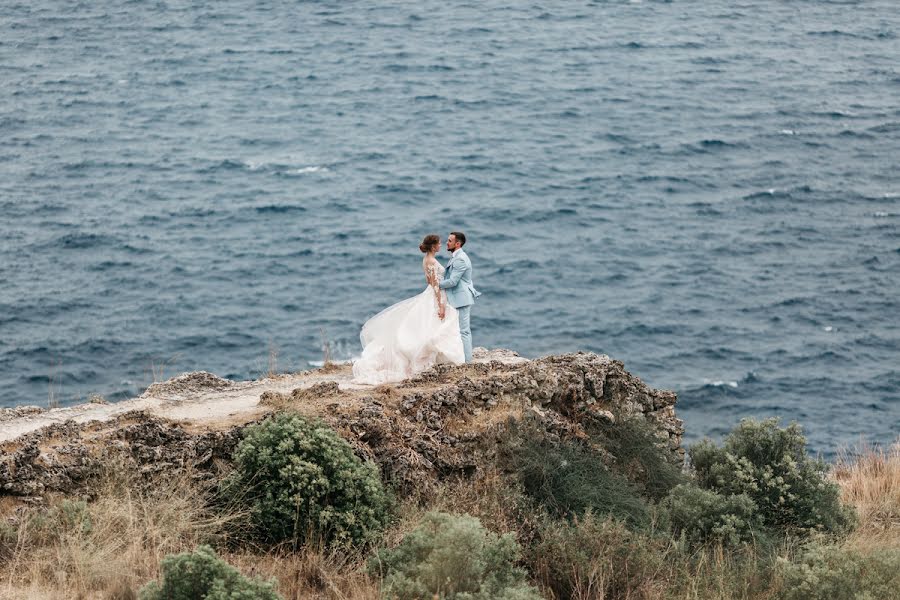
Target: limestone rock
(187, 383)
(444, 423)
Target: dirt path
(199, 397)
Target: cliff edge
(442, 423)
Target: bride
(414, 334)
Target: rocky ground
(444, 422)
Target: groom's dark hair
(460, 237)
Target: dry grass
(311, 573)
(870, 481)
(113, 544)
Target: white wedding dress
(409, 337)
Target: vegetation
(203, 575)
(825, 572)
(591, 557)
(570, 478)
(639, 455)
(534, 528)
(770, 465)
(453, 557)
(702, 516)
(300, 480)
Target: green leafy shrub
(639, 455)
(703, 516)
(770, 465)
(829, 573)
(67, 517)
(299, 478)
(201, 575)
(569, 478)
(594, 558)
(453, 557)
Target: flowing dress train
(409, 337)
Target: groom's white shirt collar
(457, 251)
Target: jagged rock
(326, 389)
(187, 383)
(63, 457)
(445, 422)
(7, 414)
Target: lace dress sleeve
(431, 274)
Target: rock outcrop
(443, 423)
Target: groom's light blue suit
(461, 295)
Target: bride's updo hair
(428, 244)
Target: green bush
(452, 558)
(639, 455)
(569, 478)
(705, 516)
(67, 517)
(594, 558)
(299, 478)
(832, 573)
(201, 575)
(770, 465)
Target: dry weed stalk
(327, 359)
(53, 393)
(273, 360)
(159, 370)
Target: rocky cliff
(442, 423)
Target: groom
(461, 293)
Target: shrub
(453, 558)
(639, 455)
(830, 572)
(770, 465)
(705, 516)
(594, 558)
(569, 478)
(300, 479)
(67, 517)
(201, 575)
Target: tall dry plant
(310, 573)
(158, 371)
(53, 388)
(273, 360)
(327, 355)
(870, 481)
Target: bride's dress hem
(406, 339)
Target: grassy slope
(110, 546)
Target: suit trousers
(465, 331)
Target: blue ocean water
(708, 191)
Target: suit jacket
(458, 281)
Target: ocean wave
(279, 208)
(82, 241)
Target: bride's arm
(431, 276)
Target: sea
(706, 190)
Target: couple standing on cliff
(432, 327)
